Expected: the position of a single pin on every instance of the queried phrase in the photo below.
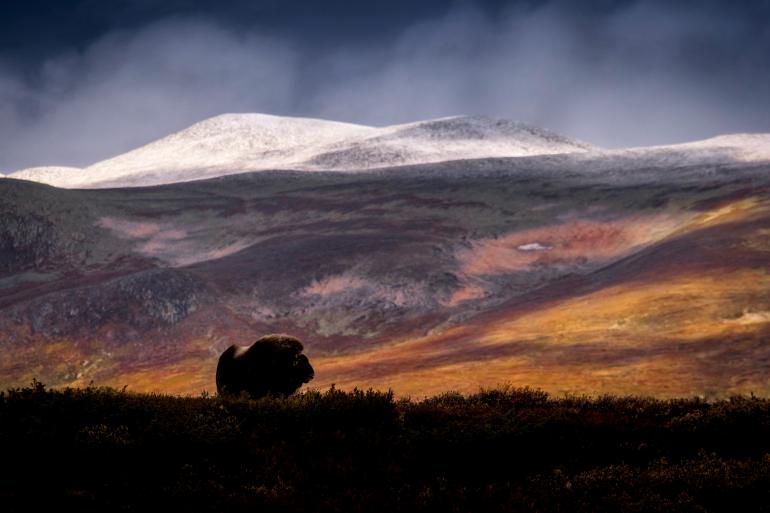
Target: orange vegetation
(573, 241)
(689, 316)
(663, 333)
(627, 338)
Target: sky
(84, 80)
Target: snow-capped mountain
(236, 143)
(454, 138)
(438, 250)
(230, 143)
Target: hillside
(638, 271)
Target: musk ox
(274, 364)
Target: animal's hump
(232, 352)
(282, 340)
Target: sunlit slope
(678, 318)
(688, 315)
(604, 275)
(643, 327)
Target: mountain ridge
(234, 143)
(239, 143)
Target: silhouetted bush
(507, 449)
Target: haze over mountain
(436, 255)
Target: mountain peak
(485, 127)
(255, 122)
(241, 142)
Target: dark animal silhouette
(274, 364)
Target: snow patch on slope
(225, 144)
(453, 138)
(52, 175)
(745, 147)
(735, 147)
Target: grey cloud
(643, 73)
(128, 89)
(627, 78)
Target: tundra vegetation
(641, 272)
(502, 449)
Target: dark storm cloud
(88, 79)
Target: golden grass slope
(689, 317)
(684, 311)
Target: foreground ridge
(496, 450)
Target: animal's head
(302, 368)
(285, 352)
